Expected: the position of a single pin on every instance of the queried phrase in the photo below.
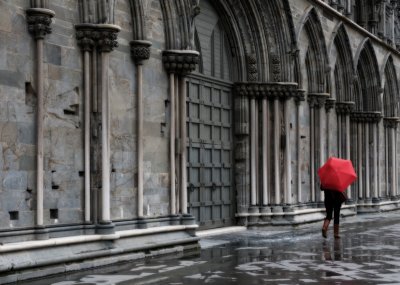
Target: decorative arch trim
(316, 55)
(343, 72)
(368, 79)
(391, 90)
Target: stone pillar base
(174, 220)
(90, 229)
(141, 223)
(105, 228)
(187, 219)
(41, 233)
(277, 209)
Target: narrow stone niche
(14, 215)
(53, 214)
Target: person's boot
(336, 231)
(325, 227)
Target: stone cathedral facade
(127, 125)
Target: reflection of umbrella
(337, 174)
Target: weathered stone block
(15, 180)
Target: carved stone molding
(252, 73)
(39, 21)
(391, 122)
(366, 117)
(345, 107)
(105, 36)
(180, 62)
(85, 34)
(140, 50)
(317, 100)
(278, 90)
(276, 67)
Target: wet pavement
(367, 253)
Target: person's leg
(329, 210)
(336, 219)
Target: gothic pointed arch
(178, 19)
(212, 43)
(344, 68)
(390, 90)
(367, 84)
(316, 59)
(138, 19)
(277, 34)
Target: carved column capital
(391, 122)
(275, 90)
(180, 62)
(317, 100)
(140, 51)
(366, 117)
(39, 21)
(345, 107)
(330, 104)
(85, 35)
(106, 37)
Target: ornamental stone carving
(276, 67)
(317, 100)
(140, 51)
(345, 107)
(105, 36)
(366, 117)
(279, 90)
(180, 62)
(252, 73)
(39, 21)
(391, 122)
(330, 104)
(85, 35)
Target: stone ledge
(17, 263)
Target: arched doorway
(210, 169)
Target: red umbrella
(337, 174)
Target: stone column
(299, 98)
(242, 129)
(181, 62)
(288, 169)
(140, 51)
(265, 152)
(106, 42)
(365, 124)
(277, 175)
(367, 172)
(375, 193)
(390, 124)
(85, 40)
(39, 21)
(343, 110)
(329, 104)
(316, 102)
(253, 175)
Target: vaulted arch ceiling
(391, 90)
(367, 87)
(344, 69)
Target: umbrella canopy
(337, 174)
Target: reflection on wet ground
(367, 253)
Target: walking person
(333, 203)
